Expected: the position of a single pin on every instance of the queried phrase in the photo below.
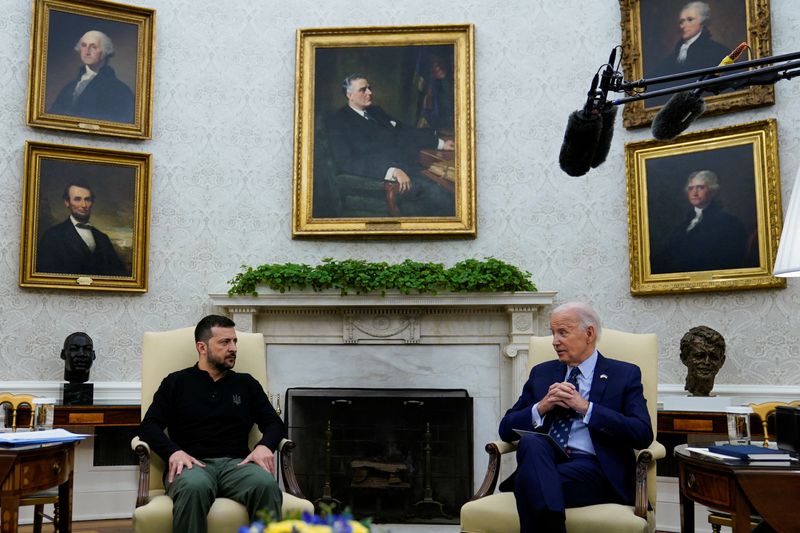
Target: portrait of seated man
(95, 92)
(703, 352)
(78, 355)
(366, 140)
(75, 246)
(707, 237)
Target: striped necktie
(563, 421)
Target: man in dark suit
(95, 92)
(599, 414)
(366, 141)
(707, 237)
(695, 49)
(75, 246)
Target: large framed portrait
(91, 67)
(85, 214)
(704, 210)
(385, 132)
(662, 37)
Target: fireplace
(396, 455)
(476, 342)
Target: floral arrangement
(308, 523)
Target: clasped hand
(563, 394)
(261, 455)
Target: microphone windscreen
(677, 114)
(580, 142)
(608, 115)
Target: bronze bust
(703, 352)
(78, 355)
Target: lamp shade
(787, 263)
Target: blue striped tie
(563, 421)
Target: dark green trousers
(195, 489)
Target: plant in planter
(363, 277)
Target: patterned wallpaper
(221, 183)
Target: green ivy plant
(364, 277)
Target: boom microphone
(587, 139)
(683, 108)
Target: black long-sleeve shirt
(207, 418)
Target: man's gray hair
(106, 44)
(702, 10)
(706, 176)
(348, 81)
(584, 313)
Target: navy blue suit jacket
(368, 148)
(619, 423)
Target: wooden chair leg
(391, 194)
(55, 517)
(38, 514)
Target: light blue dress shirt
(579, 438)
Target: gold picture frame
(651, 37)
(345, 179)
(732, 244)
(91, 68)
(85, 218)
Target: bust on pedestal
(78, 355)
(703, 351)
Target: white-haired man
(695, 48)
(95, 92)
(594, 409)
(367, 141)
(706, 238)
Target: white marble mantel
(472, 341)
(505, 319)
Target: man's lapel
(600, 379)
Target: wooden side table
(26, 470)
(738, 488)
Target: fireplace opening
(395, 455)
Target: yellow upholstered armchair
(169, 351)
(497, 513)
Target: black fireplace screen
(396, 455)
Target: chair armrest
(285, 449)
(644, 458)
(656, 449)
(142, 450)
(495, 449)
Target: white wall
(221, 183)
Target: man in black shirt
(209, 411)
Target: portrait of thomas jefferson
(702, 211)
(91, 68)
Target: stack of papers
(24, 438)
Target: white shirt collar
(359, 111)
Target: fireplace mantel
(505, 319)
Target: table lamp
(787, 262)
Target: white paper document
(21, 438)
